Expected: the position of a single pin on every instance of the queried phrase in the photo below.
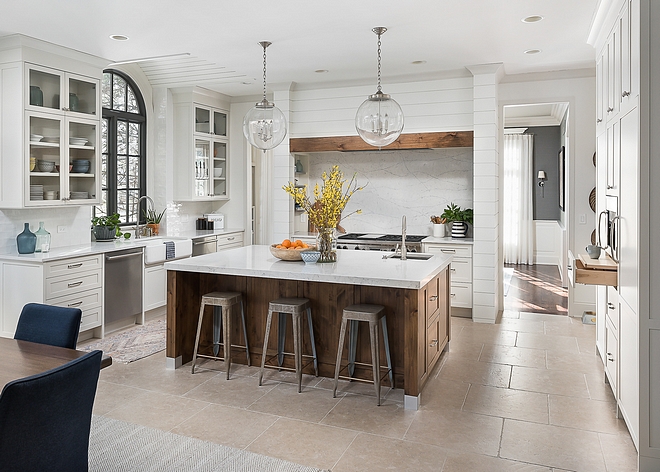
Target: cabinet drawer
(457, 250)
(433, 342)
(432, 299)
(234, 239)
(461, 270)
(461, 295)
(613, 308)
(611, 357)
(91, 318)
(83, 300)
(63, 286)
(73, 266)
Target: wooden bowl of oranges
(289, 250)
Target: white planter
(438, 230)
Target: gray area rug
(133, 343)
(117, 446)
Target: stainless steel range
(378, 242)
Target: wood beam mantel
(405, 141)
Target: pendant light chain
(265, 71)
(379, 62)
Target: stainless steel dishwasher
(204, 245)
(123, 284)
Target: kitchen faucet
(404, 251)
(137, 224)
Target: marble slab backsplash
(416, 184)
(75, 220)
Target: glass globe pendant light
(379, 120)
(264, 125)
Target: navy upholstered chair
(47, 324)
(45, 419)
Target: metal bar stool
(373, 314)
(295, 308)
(223, 303)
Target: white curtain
(518, 218)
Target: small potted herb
(458, 218)
(106, 227)
(153, 219)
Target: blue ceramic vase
(26, 241)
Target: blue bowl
(310, 257)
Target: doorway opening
(533, 216)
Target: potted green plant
(106, 227)
(153, 219)
(458, 218)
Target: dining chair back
(45, 419)
(47, 324)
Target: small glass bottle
(43, 239)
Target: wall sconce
(542, 178)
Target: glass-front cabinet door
(202, 169)
(51, 90)
(46, 163)
(219, 169)
(82, 162)
(210, 121)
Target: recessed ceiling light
(418, 62)
(532, 51)
(321, 71)
(532, 19)
(119, 37)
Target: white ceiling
(221, 36)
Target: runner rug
(118, 446)
(132, 344)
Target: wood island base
(418, 322)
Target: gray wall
(547, 142)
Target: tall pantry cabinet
(627, 46)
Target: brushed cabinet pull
(610, 306)
(599, 120)
(452, 269)
(75, 284)
(610, 110)
(434, 343)
(231, 239)
(75, 304)
(452, 294)
(625, 93)
(449, 251)
(74, 266)
(433, 298)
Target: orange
(299, 243)
(286, 243)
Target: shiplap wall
(437, 105)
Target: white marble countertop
(352, 267)
(95, 247)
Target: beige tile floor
(525, 394)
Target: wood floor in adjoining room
(535, 289)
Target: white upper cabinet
(201, 145)
(49, 127)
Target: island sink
(418, 256)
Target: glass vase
(43, 239)
(326, 243)
(26, 241)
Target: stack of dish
(50, 195)
(51, 139)
(35, 137)
(36, 192)
(77, 141)
(46, 166)
(79, 195)
(80, 166)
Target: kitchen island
(415, 294)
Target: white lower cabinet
(629, 369)
(229, 241)
(461, 271)
(75, 282)
(155, 287)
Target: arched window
(123, 147)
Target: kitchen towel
(170, 251)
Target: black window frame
(114, 116)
